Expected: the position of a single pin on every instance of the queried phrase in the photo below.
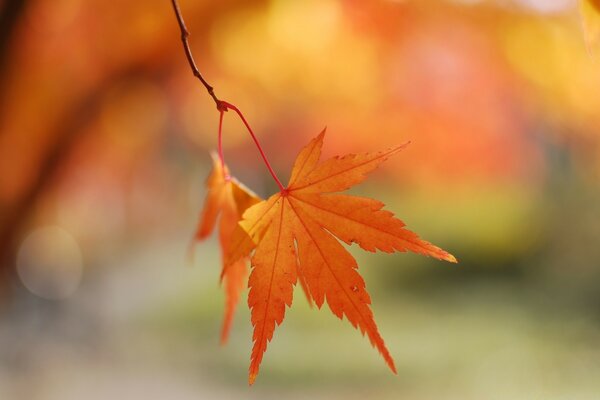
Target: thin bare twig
(188, 53)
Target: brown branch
(11, 13)
(9, 18)
(188, 53)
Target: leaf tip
(321, 135)
(224, 336)
(252, 378)
(395, 150)
(403, 145)
(214, 156)
(450, 258)
(390, 362)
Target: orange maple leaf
(229, 198)
(294, 233)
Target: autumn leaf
(228, 199)
(590, 20)
(294, 235)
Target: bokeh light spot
(50, 263)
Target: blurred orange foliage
(97, 98)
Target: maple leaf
(227, 198)
(294, 235)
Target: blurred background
(104, 147)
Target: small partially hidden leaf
(226, 199)
(296, 235)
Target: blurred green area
(104, 141)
